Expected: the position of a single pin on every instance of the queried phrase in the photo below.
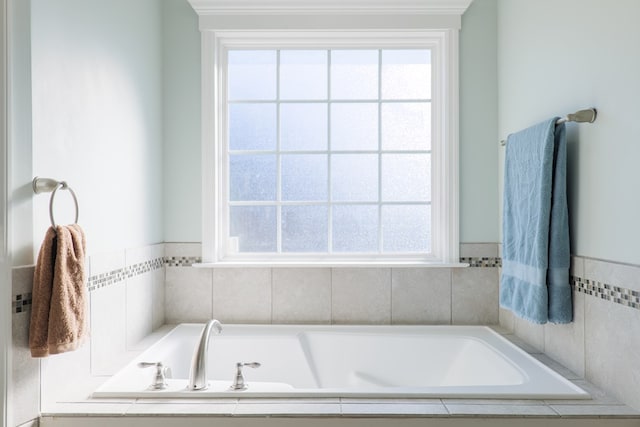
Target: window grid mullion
(278, 161)
(329, 156)
(254, 152)
(380, 234)
(331, 101)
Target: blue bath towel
(534, 283)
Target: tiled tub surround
(601, 344)
(120, 314)
(126, 303)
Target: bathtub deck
(601, 409)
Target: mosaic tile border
(472, 261)
(482, 261)
(605, 291)
(105, 279)
(21, 303)
(608, 292)
(181, 261)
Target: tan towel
(59, 293)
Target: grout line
(331, 321)
(271, 288)
(451, 296)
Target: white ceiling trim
(329, 7)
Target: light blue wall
(97, 117)
(478, 130)
(181, 84)
(559, 56)
(479, 124)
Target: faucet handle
(159, 381)
(238, 382)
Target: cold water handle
(238, 381)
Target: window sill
(336, 264)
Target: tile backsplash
(431, 295)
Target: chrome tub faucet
(198, 372)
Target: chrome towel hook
(48, 185)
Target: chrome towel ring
(48, 185)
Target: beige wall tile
(108, 329)
(25, 372)
(188, 294)
(421, 296)
(182, 249)
(139, 302)
(361, 295)
(474, 296)
(612, 349)
(242, 295)
(626, 276)
(301, 295)
(565, 343)
(532, 333)
(476, 250)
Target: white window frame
(351, 24)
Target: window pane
(406, 74)
(303, 74)
(254, 227)
(304, 229)
(354, 74)
(354, 126)
(303, 126)
(354, 177)
(252, 127)
(406, 126)
(252, 177)
(328, 151)
(406, 177)
(304, 177)
(406, 228)
(252, 74)
(355, 228)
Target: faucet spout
(198, 372)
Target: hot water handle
(162, 372)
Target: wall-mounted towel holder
(48, 185)
(582, 116)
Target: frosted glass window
(355, 228)
(253, 228)
(354, 177)
(303, 74)
(304, 228)
(406, 126)
(304, 177)
(354, 74)
(406, 228)
(406, 177)
(252, 177)
(303, 127)
(354, 126)
(252, 127)
(329, 153)
(252, 74)
(406, 74)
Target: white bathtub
(348, 361)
